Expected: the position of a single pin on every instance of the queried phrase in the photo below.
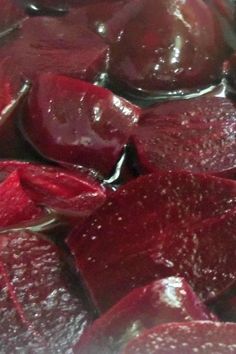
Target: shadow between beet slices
(157, 226)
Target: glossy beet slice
(56, 46)
(65, 192)
(15, 205)
(10, 15)
(163, 47)
(167, 300)
(37, 288)
(203, 337)
(46, 7)
(157, 226)
(80, 123)
(196, 135)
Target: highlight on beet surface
(117, 176)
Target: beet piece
(167, 300)
(15, 205)
(203, 337)
(40, 290)
(157, 226)
(65, 192)
(164, 47)
(80, 123)
(196, 135)
(10, 15)
(46, 7)
(56, 46)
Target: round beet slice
(167, 300)
(197, 135)
(164, 47)
(78, 123)
(157, 226)
(186, 338)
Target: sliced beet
(56, 46)
(69, 193)
(46, 7)
(15, 205)
(203, 337)
(157, 226)
(167, 300)
(10, 15)
(80, 123)
(196, 135)
(37, 295)
(163, 47)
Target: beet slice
(80, 123)
(196, 135)
(203, 337)
(15, 205)
(163, 48)
(65, 192)
(37, 288)
(56, 46)
(167, 300)
(46, 7)
(157, 226)
(10, 15)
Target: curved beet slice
(10, 15)
(56, 46)
(64, 192)
(167, 300)
(196, 135)
(37, 288)
(80, 123)
(15, 205)
(157, 226)
(46, 7)
(185, 338)
(163, 48)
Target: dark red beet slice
(10, 15)
(56, 46)
(15, 205)
(36, 288)
(203, 337)
(158, 226)
(164, 47)
(167, 300)
(46, 7)
(80, 123)
(68, 193)
(196, 135)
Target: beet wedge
(157, 226)
(186, 338)
(64, 192)
(81, 123)
(56, 46)
(196, 135)
(37, 296)
(163, 301)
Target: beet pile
(117, 176)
